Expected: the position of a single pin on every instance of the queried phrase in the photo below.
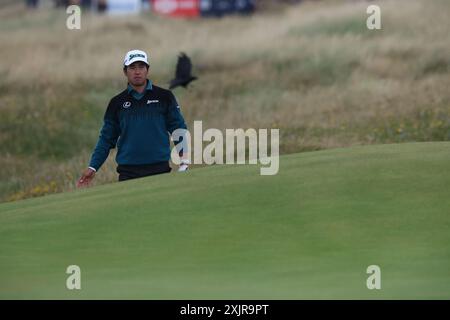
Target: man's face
(137, 73)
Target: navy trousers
(127, 172)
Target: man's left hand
(184, 165)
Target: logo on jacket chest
(149, 103)
(126, 104)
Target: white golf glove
(184, 165)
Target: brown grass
(314, 71)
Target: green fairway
(226, 232)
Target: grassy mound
(227, 232)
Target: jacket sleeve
(107, 140)
(175, 120)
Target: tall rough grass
(314, 71)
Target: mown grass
(312, 70)
(309, 232)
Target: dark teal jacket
(139, 124)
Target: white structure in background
(165, 6)
(124, 6)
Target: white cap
(133, 56)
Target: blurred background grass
(313, 70)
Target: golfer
(139, 120)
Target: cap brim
(135, 60)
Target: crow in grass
(183, 74)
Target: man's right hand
(86, 178)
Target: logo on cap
(136, 55)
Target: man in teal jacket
(138, 120)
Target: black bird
(183, 74)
